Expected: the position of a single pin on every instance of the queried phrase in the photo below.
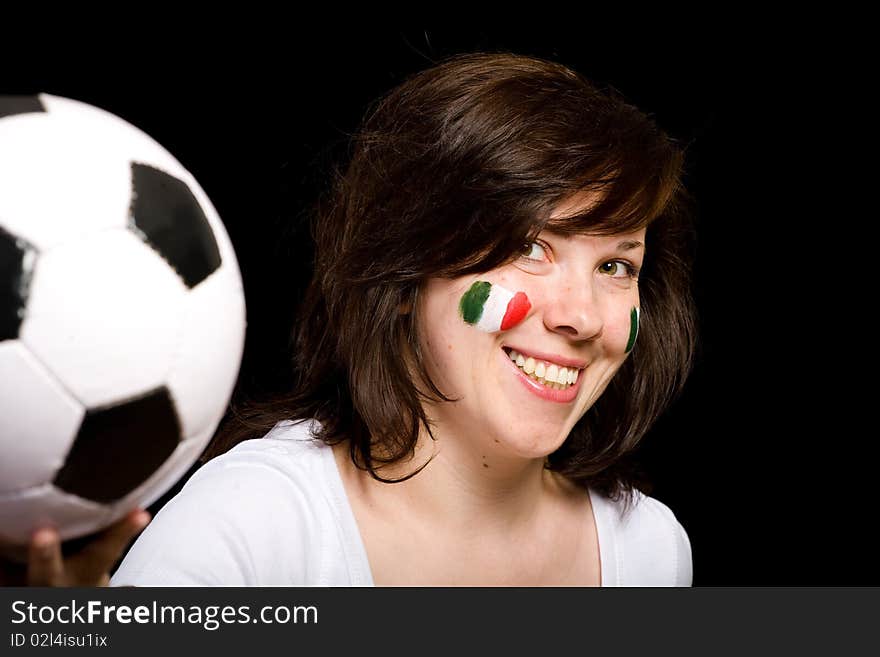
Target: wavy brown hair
(450, 174)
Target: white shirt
(274, 512)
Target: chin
(534, 444)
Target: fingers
(45, 565)
(117, 536)
(92, 564)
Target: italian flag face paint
(634, 316)
(493, 308)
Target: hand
(90, 566)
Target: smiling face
(583, 290)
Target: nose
(572, 310)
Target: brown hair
(450, 174)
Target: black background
(762, 459)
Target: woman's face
(582, 290)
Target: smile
(545, 378)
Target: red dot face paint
(491, 307)
(517, 309)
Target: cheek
(445, 338)
(622, 329)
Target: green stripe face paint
(493, 308)
(634, 316)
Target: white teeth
(548, 374)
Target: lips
(533, 386)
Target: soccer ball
(122, 318)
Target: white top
(274, 512)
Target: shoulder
(237, 514)
(649, 546)
(256, 476)
(290, 450)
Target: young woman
(499, 310)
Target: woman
(500, 309)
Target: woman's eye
(618, 269)
(534, 251)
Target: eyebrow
(625, 245)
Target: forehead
(577, 203)
(576, 207)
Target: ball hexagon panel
(17, 259)
(40, 420)
(213, 303)
(119, 447)
(105, 316)
(45, 505)
(56, 183)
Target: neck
(469, 485)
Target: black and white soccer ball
(122, 318)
